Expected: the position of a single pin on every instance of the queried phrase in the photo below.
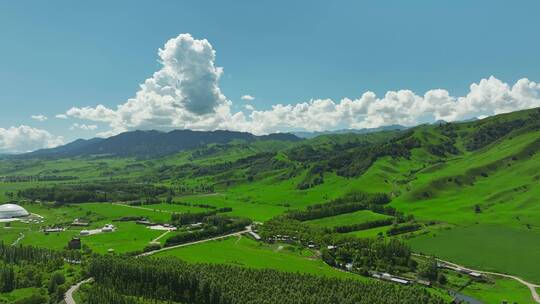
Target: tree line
(181, 219)
(27, 266)
(214, 225)
(93, 192)
(364, 225)
(350, 203)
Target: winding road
(532, 287)
(68, 297)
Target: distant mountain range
(151, 143)
(345, 131)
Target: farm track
(248, 229)
(143, 208)
(532, 287)
(160, 236)
(21, 236)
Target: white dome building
(8, 211)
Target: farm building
(74, 243)
(255, 236)
(53, 230)
(107, 228)
(78, 222)
(475, 275)
(8, 211)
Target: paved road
(68, 296)
(532, 287)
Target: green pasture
(127, 237)
(499, 290)
(348, 219)
(18, 294)
(486, 247)
(248, 253)
(241, 206)
(275, 191)
(507, 194)
(369, 233)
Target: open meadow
(245, 252)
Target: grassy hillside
(472, 188)
(255, 255)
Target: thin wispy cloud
(39, 117)
(85, 127)
(247, 98)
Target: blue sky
(65, 54)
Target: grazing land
(485, 247)
(245, 252)
(498, 291)
(348, 219)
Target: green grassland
(348, 219)
(369, 233)
(499, 237)
(494, 289)
(481, 190)
(17, 294)
(242, 206)
(245, 252)
(487, 247)
(498, 291)
(128, 236)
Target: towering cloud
(182, 93)
(185, 93)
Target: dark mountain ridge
(147, 144)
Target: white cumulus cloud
(184, 94)
(61, 116)
(24, 138)
(247, 97)
(39, 117)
